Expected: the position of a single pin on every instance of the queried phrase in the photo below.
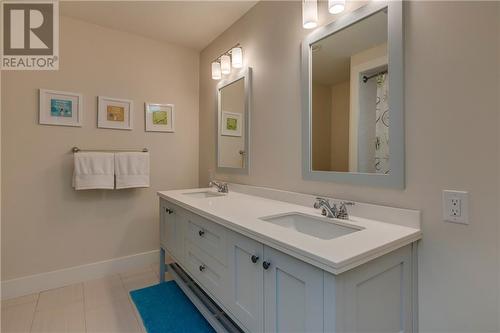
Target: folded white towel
(94, 171)
(132, 170)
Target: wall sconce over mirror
(231, 58)
(352, 84)
(310, 11)
(233, 117)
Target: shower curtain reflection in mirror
(350, 99)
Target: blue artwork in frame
(61, 108)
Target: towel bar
(77, 150)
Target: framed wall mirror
(233, 115)
(352, 92)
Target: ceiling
(332, 59)
(193, 24)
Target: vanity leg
(162, 265)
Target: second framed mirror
(233, 116)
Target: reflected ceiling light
(336, 6)
(225, 64)
(237, 57)
(309, 14)
(216, 71)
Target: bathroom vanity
(257, 264)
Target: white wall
(46, 225)
(452, 141)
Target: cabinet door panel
(293, 297)
(171, 229)
(376, 297)
(246, 283)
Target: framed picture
(159, 117)
(114, 113)
(231, 124)
(60, 108)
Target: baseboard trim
(35, 283)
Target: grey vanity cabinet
(265, 290)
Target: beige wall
(321, 120)
(451, 141)
(45, 224)
(340, 127)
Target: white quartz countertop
(242, 212)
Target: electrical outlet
(455, 206)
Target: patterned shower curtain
(382, 125)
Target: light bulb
(225, 64)
(216, 71)
(237, 57)
(309, 14)
(336, 6)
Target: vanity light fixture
(237, 57)
(216, 70)
(222, 64)
(225, 64)
(309, 14)
(336, 6)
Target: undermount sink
(203, 194)
(318, 227)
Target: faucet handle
(342, 213)
(319, 201)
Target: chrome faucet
(221, 187)
(332, 211)
(326, 209)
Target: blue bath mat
(165, 309)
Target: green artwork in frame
(231, 124)
(160, 118)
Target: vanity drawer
(208, 236)
(208, 271)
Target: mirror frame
(246, 75)
(395, 39)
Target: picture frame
(231, 123)
(60, 108)
(115, 113)
(159, 117)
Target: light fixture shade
(309, 14)
(336, 6)
(225, 64)
(237, 57)
(216, 71)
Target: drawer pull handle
(201, 233)
(168, 210)
(202, 268)
(255, 258)
(266, 264)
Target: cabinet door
(293, 294)
(172, 229)
(245, 297)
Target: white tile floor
(102, 305)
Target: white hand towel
(132, 170)
(94, 171)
